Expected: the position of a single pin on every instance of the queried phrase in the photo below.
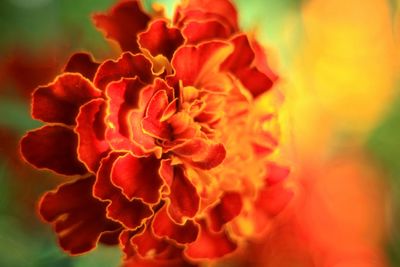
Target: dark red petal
(140, 262)
(273, 199)
(78, 218)
(122, 24)
(122, 98)
(163, 226)
(210, 245)
(131, 214)
(161, 39)
(143, 140)
(184, 199)
(193, 64)
(127, 66)
(201, 153)
(92, 146)
(54, 148)
(261, 60)
(111, 238)
(227, 209)
(242, 63)
(138, 177)
(60, 100)
(82, 63)
(200, 31)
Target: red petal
(138, 177)
(90, 128)
(227, 209)
(201, 153)
(103, 188)
(210, 245)
(122, 98)
(242, 63)
(276, 174)
(60, 101)
(273, 199)
(193, 64)
(222, 9)
(122, 24)
(161, 39)
(131, 214)
(196, 31)
(152, 123)
(82, 63)
(147, 244)
(78, 218)
(111, 238)
(127, 66)
(54, 148)
(163, 226)
(184, 199)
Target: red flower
(170, 154)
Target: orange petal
(54, 148)
(72, 210)
(92, 146)
(161, 39)
(60, 100)
(122, 24)
(201, 153)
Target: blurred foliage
(384, 142)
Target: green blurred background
(37, 36)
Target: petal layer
(54, 148)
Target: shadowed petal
(127, 66)
(72, 210)
(122, 24)
(122, 98)
(82, 63)
(227, 209)
(138, 177)
(184, 199)
(54, 148)
(163, 226)
(60, 100)
(161, 39)
(210, 245)
(92, 146)
(131, 214)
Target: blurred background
(338, 63)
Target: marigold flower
(171, 156)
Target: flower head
(171, 155)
